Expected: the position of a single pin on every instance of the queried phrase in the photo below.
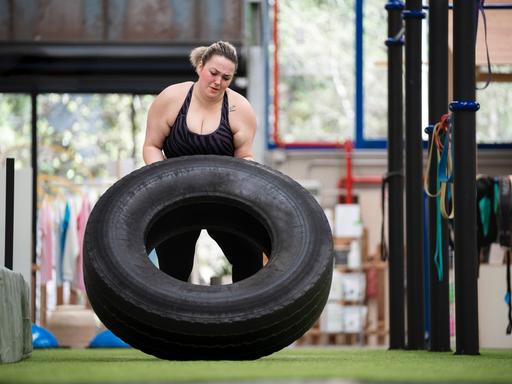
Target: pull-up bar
(485, 6)
(9, 213)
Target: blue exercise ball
(107, 339)
(43, 338)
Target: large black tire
(171, 319)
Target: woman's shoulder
(237, 100)
(168, 102)
(173, 96)
(241, 113)
(175, 90)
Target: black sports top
(183, 142)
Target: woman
(199, 118)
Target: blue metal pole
(359, 118)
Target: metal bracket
(410, 14)
(466, 105)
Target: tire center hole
(209, 242)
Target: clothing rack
(58, 186)
(63, 291)
(63, 182)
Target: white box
(331, 319)
(353, 286)
(348, 220)
(354, 318)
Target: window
(88, 139)
(494, 119)
(332, 66)
(316, 70)
(82, 136)
(374, 71)
(15, 128)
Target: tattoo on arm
(232, 108)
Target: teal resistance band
(442, 177)
(441, 173)
(496, 196)
(438, 255)
(485, 214)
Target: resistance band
(507, 295)
(487, 197)
(440, 141)
(480, 7)
(504, 231)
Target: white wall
(256, 96)
(328, 166)
(492, 310)
(22, 247)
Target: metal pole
(33, 99)
(414, 170)
(9, 213)
(464, 107)
(494, 6)
(395, 168)
(438, 106)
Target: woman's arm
(157, 126)
(243, 125)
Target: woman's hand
(152, 154)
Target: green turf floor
(362, 364)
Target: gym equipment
(73, 325)
(172, 319)
(107, 339)
(43, 338)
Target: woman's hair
(201, 55)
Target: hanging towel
(46, 251)
(70, 248)
(61, 227)
(82, 218)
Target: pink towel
(82, 218)
(46, 255)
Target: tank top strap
(186, 102)
(225, 110)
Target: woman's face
(216, 75)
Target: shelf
(364, 267)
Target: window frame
(359, 142)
